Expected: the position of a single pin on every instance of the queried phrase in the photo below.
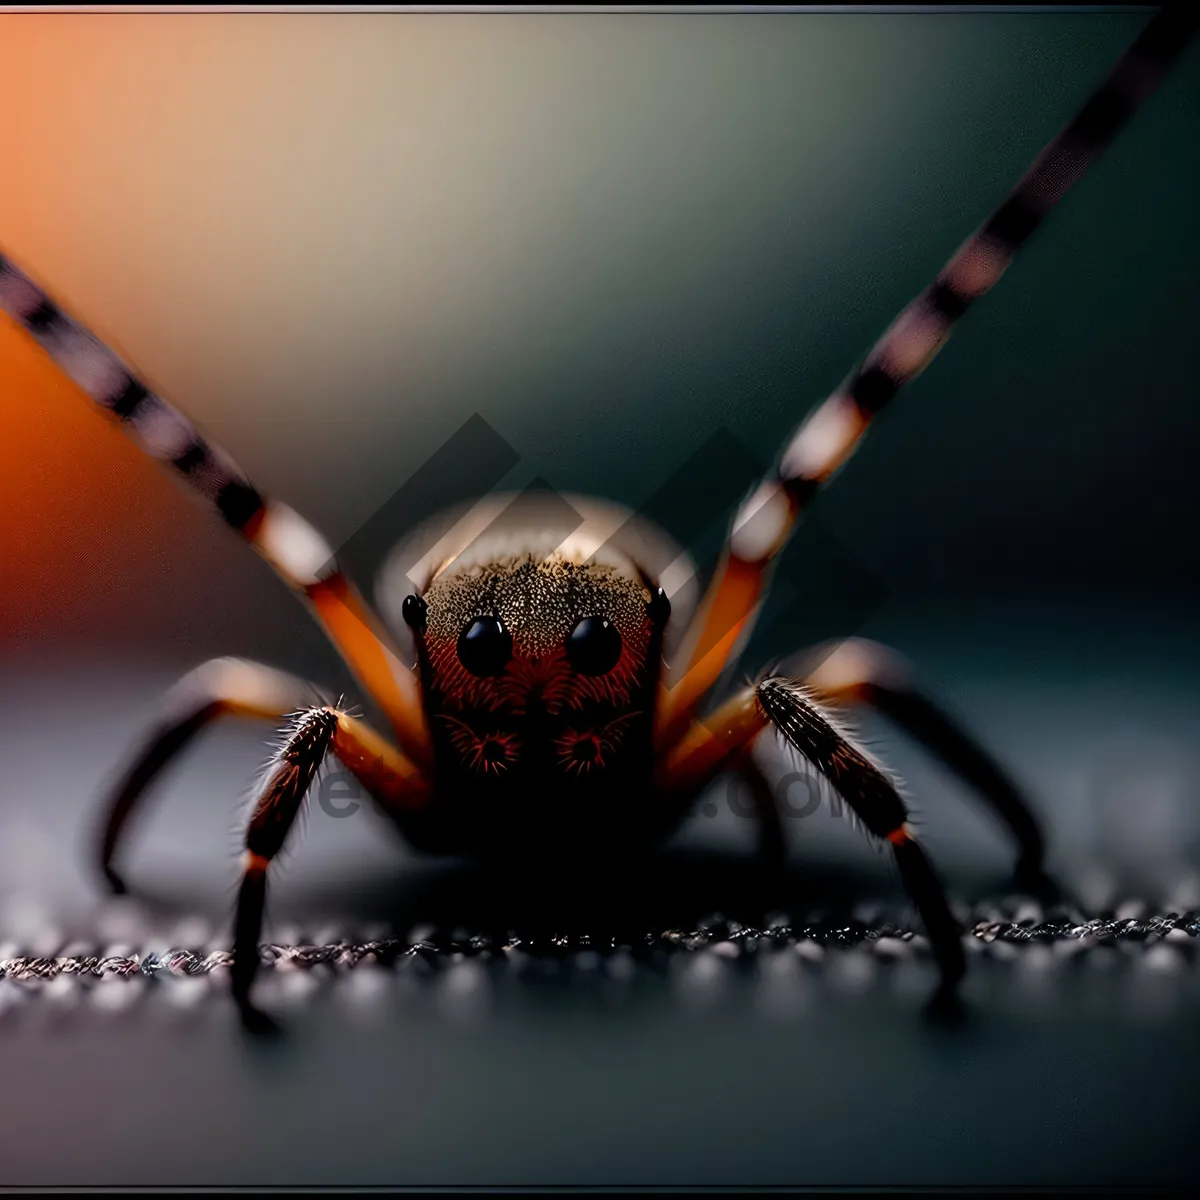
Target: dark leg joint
(163, 745)
(251, 902)
(926, 722)
(116, 884)
(945, 934)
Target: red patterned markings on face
(538, 604)
(591, 748)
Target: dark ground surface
(758, 1063)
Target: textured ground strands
(987, 925)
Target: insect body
(525, 672)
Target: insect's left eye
(415, 613)
(485, 646)
(594, 646)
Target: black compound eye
(414, 611)
(594, 646)
(485, 646)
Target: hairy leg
(221, 687)
(722, 738)
(392, 781)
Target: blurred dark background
(331, 240)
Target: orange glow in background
(330, 239)
(67, 478)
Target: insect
(544, 675)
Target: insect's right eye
(485, 646)
(659, 607)
(594, 646)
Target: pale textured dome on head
(540, 527)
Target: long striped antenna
(834, 429)
(822, 444)
(161, 430)
(297, 551)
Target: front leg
(221, 687)
(715, 744)
(391, 779)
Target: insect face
(537, 668)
